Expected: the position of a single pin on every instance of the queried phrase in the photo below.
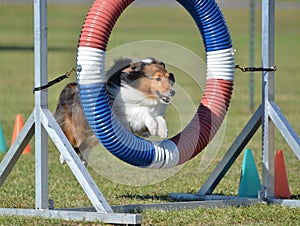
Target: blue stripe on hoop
(210, 22)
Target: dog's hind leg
(62, 160)
(84, 156)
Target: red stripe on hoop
(100, 21)
(206, 122)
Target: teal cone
(249, 182)
(3, 147)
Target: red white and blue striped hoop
(211, 112)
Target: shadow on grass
(297, 197)
(167, 197)
(147, 197)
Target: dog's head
(150, 77)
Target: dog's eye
(158, 79)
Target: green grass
(165, 24)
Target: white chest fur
(142, 115)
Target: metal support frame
(268, 114)
(42, 124)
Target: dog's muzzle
(165, 98)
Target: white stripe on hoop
(220, 64)
(90, 65)
(166, 155)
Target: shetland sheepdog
(139, 93)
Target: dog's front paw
(151, 125)
(163, 132)
(162, 127)
(152, 128)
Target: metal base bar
(285, 202)
(115, 218)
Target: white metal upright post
(268, 8)
(41, 102)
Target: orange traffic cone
(281, 185)
(19, 123)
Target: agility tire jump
(211, 112)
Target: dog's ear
(130, 78)
(133, 72)
(162, 63)
(137, 67)
(172, 77)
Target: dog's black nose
(172, 92)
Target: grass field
(165, 24)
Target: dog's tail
(66, 97)
(63, 112)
